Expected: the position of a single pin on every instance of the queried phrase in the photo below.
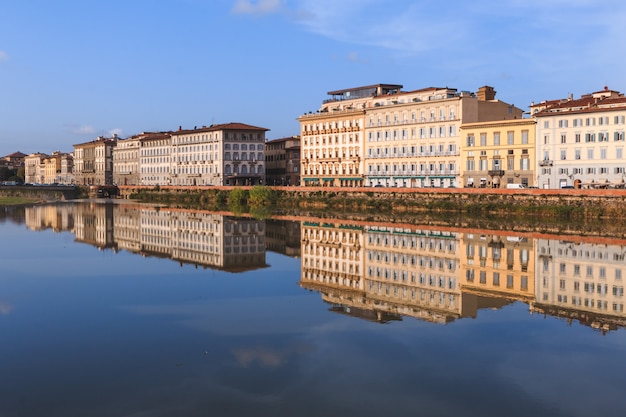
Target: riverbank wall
(569, 203)
(41, 193)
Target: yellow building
(498, 153)
(52, 168)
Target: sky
(73, 70)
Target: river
(122, 309)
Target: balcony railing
(546, 163)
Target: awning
(328, 179)
(310, 179)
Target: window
(483, 139)
(470, 140)
(524, 164)
(563, 138)
(524, 137)
(563, 154)
(510, 138)
(496, 138)
(510, 163)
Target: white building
(155, 163)
(580, 142)
(225, 154)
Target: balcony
(495, 173)
(546, 163)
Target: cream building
(380, 135)
(126, 161)
(34, 169)
(226, 154)
(332, 138)
(93, 161)
(498, 153)
(580, 142)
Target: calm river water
(117, 309)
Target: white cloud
(472, 29)
(4, 56)
(257, 7)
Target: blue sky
(71, 70)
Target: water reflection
(386, 273)
(190, 237)
(374, 272)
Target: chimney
(486, 93)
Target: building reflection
(581, 281)
(376, 272)
(283, 237)
(199, 238)
(389, 273)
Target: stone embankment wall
(43, 193)
(607, 203)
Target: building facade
(581, 141)
(34, 170)
(380, 135)
(282, 161)
(581, 281)
(14, 160)
(225, 154)
(52, 168)
(126, 161)
(93, 161)
(155, 162)
(498, 153)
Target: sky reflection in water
(99, 332)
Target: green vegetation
(238, 200)
(13, 201)
(261, 196)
